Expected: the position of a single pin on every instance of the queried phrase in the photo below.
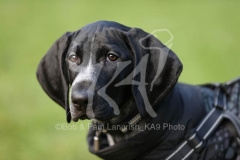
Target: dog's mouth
(82, 109)
(83, 116)
(80, 115)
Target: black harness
(195, 141)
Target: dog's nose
(80, 100)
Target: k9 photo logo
(164, 126)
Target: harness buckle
(195, 141)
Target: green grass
(206, 38)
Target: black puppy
(125, 80)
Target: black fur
(130, 92)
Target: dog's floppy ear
(159, 69)
(52, 73)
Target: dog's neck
(134, 123)
(127, 111)
(129, 117)
(166, 113)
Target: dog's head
(106, 70)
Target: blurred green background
(206, 38)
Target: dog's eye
(73, 58)
(112, 57)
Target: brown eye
(112, 57)
(73, 58)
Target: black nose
(80, 100)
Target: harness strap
(195, 140)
